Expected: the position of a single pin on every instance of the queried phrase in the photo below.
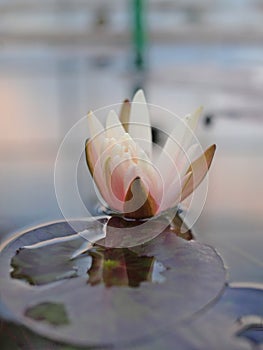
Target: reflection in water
(122, 267)
(44, 264)
(77, 254)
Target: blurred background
(61, 58)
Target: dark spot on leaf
(52, 313)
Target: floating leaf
(105, 313)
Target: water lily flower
(129, 179)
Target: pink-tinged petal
(198, 170)
(99, 168)
(132, 172)
(145, 171)
(139, 125)
(112, 200)
(139, 203)
(151, 178)
(95, 169)
(119, 168)
(100, 182)
(125, 114)
(114, 127)
(115, 163)
(117, 185)
(172, 196)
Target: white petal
(151, 177)
(188, 158)
(96, 131)
(167, 161)
(100, 182)
(139, 124)
(191, 122)
(113, 201)
(171, 147)
(178, 142)
(113, 126)
(172, 196)
(192, 119)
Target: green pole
(139, 33)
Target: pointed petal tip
(199, 169)
(140, 124)
(139, 96)
(125, 114)
(111, 115)
(114, 126)
(200, 109)
(139, 91)
(192, 119)
(211, 150)
(198, 112)
(209, 154)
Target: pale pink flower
(120, 160)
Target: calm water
(46, 93)
(46, 86)
(59, 62)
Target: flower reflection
(120, 267)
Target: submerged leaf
(48, 263)
(55, 314)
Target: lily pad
(219, 327)
(109, 313)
